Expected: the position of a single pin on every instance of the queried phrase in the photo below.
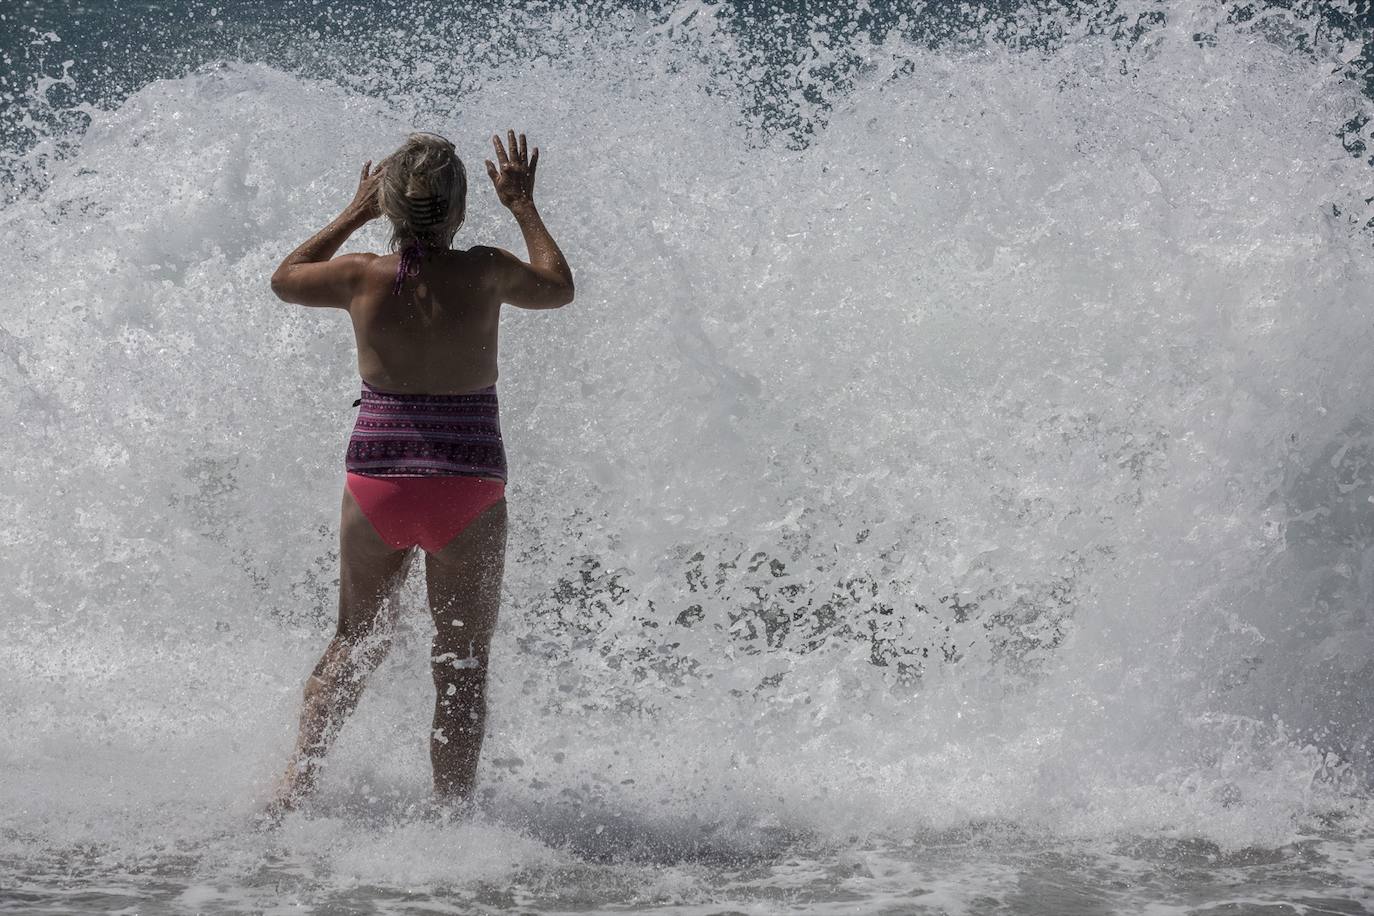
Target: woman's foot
(294, 787)
(449, 809)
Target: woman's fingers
(534, 163)
(518, 154)
(491, 171)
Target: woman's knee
(353, 654)
(459, 667)
(464, 658)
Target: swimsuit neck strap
(409, 266)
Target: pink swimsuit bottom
(429, 511)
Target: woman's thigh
(464, 581)
(370, 570)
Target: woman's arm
(311, 275)
(546, 281)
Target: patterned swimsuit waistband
(402, 435)
(479, 396)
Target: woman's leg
(370, 570)
(464, 582)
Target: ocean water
(952, 490)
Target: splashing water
(952, 483)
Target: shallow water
(950, 491)
(980, 869)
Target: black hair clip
(427, 211)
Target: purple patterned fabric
(427, 435)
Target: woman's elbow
(281, 286)
(554, 296)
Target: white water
(1044, 384)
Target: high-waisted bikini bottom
(428, 511)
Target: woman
(425, 464)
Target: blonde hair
(424, 192)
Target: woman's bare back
(438, 334)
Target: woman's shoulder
(479, 261)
